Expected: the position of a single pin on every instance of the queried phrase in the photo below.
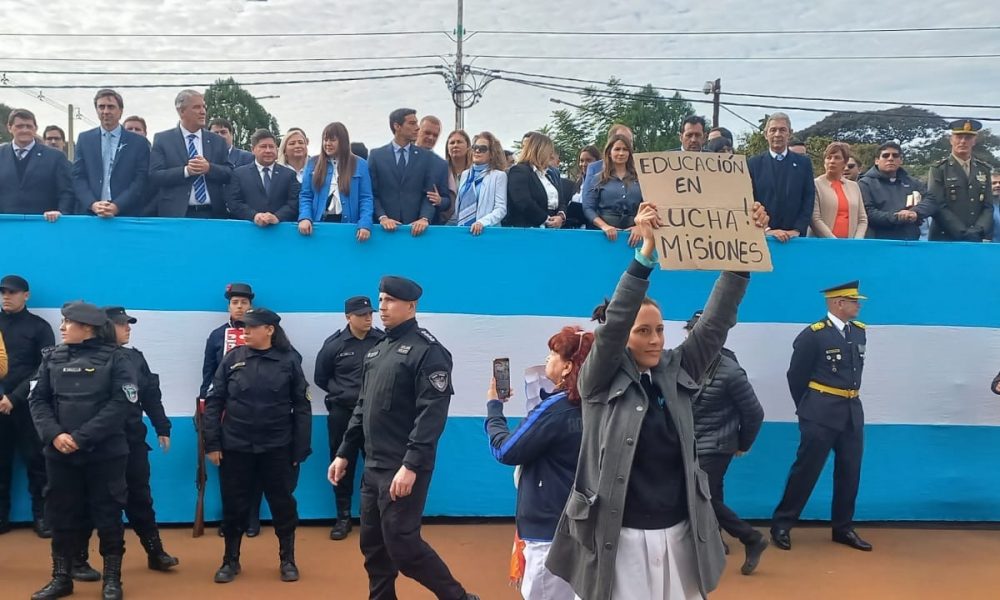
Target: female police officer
(78, 402)
(264, 437)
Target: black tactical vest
(81, 384)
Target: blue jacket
(791, 206)
(358, 207)
(546, 444)
(129, 171)
(45, 185)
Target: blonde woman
(533, 199)
(294, 151)
(839, 211)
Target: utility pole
(70, 144)
(717, 89)
(459, 72)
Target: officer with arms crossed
(824, 378)
(400, 416)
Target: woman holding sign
(611, 204)
(839, 211)
(639, 522)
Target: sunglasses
(889, 155)
(480, 148)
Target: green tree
(655, 121)
(4, 113)
(226, 98)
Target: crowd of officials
(194, 170)
(636, 518)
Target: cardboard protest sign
(705, 201)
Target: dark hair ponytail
(600, 313)
(279, 339)
(107, 333)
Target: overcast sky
(506, 108)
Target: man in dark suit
(263, 191)
(237, 156)
(427, 137)
(111, 166)
(189, 164)
(34, 178)
(402, 175)
(783, 181)
(824, 376)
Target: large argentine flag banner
(932, 446)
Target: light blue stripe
(184, 264)
(910, 472)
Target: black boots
(80, 569)
(41, 528)
(286, 553)
(230, 560)
(158, 559)
(112, 578)
(342, 527)
(61, 584)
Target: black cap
(84, 312)
(400, 288)
(966, 126)
(117, 314)
(260, 316)
(796, 142)
(694, 319)
(239, 289)
(14, 283)
(358, 305)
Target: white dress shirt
(550, 190)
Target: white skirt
(656, 564)
(539, 583)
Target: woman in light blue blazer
(482, 189)
(336, 186)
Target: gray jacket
(586, 540)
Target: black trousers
(391, 541)
(18, 435)
(716, 465)
(242, 473)
(815, 443)
(336, 425)
(81, 494)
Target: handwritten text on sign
(705, 201)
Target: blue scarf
(468, 196)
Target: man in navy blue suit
(783, 181)
(34, 178)
(111, 166)
(224, 128)
(189, 164)
(263, 191)
(402, 175)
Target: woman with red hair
(546, 445)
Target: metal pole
(459, 70)
(70, 145)
(717, 91)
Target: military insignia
(404, 349)
(72, 370)
(343, 354)
(131, 392)
(90, 370)
(238, 365)
(981, 177)
(372, 354)
(439, 379)
(427, 335)
(859, 324)
(818, 325)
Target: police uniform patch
(859, 324)
(372, 354)
(404, 349)
(131, 392)
(238, 365)
(818, 325)
(72, 370)
(343, 354)
(439, 379)
(427, 335)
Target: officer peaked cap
(850, 290)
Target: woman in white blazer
(482, 189)
(839, 211)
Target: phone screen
(501, 372)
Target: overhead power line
(738, 58)
(223, 73)
(186, 60)
(242, 83)
(290, 34)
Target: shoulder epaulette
(858, 323)
(427, 336)
(818, 325)
(941, 162)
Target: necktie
(267, 180)
(401, 161)
(847, 329)
(20, 153)
(779, 157)
(108, 159)
(200, 191)
(651, 392)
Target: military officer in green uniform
(824, 376)
(961, 185)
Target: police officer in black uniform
(400, 415)
(824, 377)
(79, 400)
(24, 334)
(339, 367)
(139, 507)
(265, 435)
(240, 298)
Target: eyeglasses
(889, 155)
(480, 148)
